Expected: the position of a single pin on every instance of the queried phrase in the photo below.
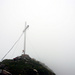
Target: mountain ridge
(25, 65)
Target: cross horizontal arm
(26, 28)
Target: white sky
(50, 37)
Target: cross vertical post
(26, 26)
(25, 39)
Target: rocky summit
(24, 65)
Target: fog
(50, 37)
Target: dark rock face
(24, 65)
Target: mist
(50, 37)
